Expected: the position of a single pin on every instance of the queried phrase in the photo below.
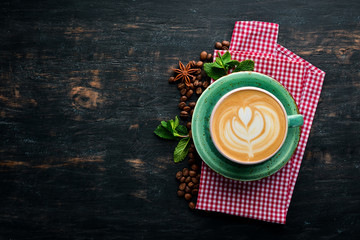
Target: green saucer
(201, 133)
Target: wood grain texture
(84, 83)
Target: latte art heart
(248, 125)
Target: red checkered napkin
(267, 199)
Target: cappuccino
(248, 125)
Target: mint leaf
(219, 62)
(214, 73)
(164, 133)
(226, 58)
(232, 63)
(177, 121)
(215, 65)
(181, 149)
(182, 130)
(246, 65)
(164, 124)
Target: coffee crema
(248, 125)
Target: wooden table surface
(83, 84)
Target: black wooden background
(84, 83)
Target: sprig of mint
(172, 130)
(223, 64)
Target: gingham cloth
(267, 199)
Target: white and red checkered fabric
(267, 199)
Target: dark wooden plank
(84, 83)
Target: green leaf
(181, 149)
(169, 126)
(164, 133)
(226, 57)
(214, 73)
(182, 130)
(164, 124)
(215, 65)
(219, 62)
(247, 65)
(232, 64)
(177, 121)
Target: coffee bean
(218, 45)
(209, 57)
(200, 84)
(225, 43)
(189, 93)
(191, 86)
(200, 64)
(187, 196)
(190, 184)
(184, 114)
(188, 179)
(194, 167)
(187, 189)
(192, 145)
(182, 186)
(191, 112)
(186, 108)
(191, 173)
(194, 180)
(194, 191)
(183, 91)
(191, 149)
(192, 79)
(190, 133)
(178, 175)
(192, 104)
(181, 86)
(203, 56)
(205, 84)
(191, 161)
(183, 99)
(185, 172)
(196, 186)
(171, 79)
(190, 155)
(198, 71)
(182, 179)
(198, 176)
(225, 48)
(198, 77)
(199, 90)
(181, 193)
(196, 83)
(191, 205)
(182, 105)
(192, 63)
(188, 125)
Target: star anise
(184, 73)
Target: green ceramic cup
(202, 135)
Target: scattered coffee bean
(191, 86)
(181, 86)
(205, 84)
(190, 184)
(194, 167)
(218, 45)
(203, 56)
(225, 43)
(187, 189)
(198, 176)
(198, 71)
(200, 64)
(193, 79)
(185, 172)
(183, 91)
(188, 125)
(187, 196)
(190, 155)
(198, 90)
(192, 145)
(189, 93)
(191, 149)
(191, 112)
(196, 186)
(194, 180)
(184, 114)
(182, 186)
(190, 133)
(182, 105)
(182, 179)
(171, 79)
(194, 191)
(181, 193)
(186, 108)
(179, 175)
(191, 173)
(209, 57)
(225, 48)
(196, 83)
(198, 77)
(192, 104)
(183, 99)
(191, 205)
(200, 84)
(191, 161)
(188, 179)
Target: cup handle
(296, 120)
